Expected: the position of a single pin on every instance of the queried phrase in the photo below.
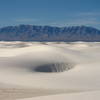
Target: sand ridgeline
(34, 69)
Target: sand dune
(76, 96)
(41, 69)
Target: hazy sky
(50, 12)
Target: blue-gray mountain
(48, 33)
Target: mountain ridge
(49, 33)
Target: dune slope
(49, 68)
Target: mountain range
(49, 33)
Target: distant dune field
(49, 70)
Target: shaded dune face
(28, 64)
(54, 67)
(44, 66)
(55, 64)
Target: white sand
(72, 96)
(19, 60)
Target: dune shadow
(54, 67)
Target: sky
(50, 12)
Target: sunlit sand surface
(49, 70)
